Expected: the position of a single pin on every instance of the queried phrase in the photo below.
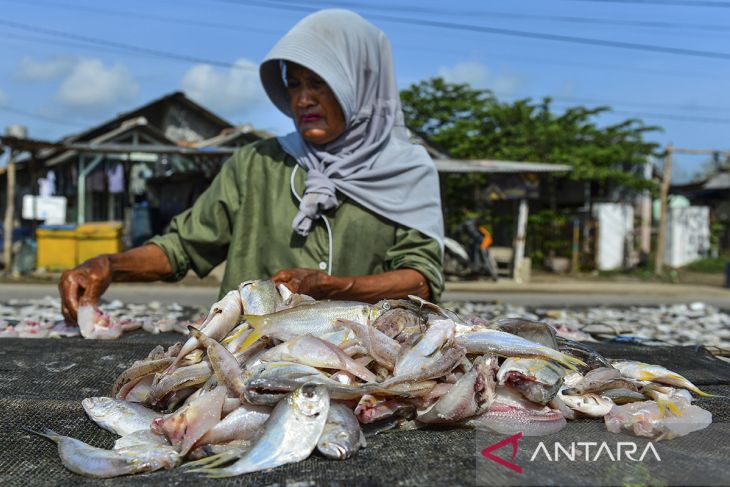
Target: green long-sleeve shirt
(246, 215)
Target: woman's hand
(388, 285)
(311, 282)
(84, 284)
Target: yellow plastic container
(93, 239)
(56, 247)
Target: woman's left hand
(311, 282)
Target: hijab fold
(372, 162)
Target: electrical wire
(44, 118)
(124, 46)
(634, 46)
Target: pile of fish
(42, 318)
(269, 377)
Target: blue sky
(64, 67)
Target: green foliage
(713, 265)
(471, 123)
(549, 235)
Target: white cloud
(94, 88)
(230, 91)
(31, 70)
(480, 76)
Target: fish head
(337, 443)
(99, 406)
(259, 297)
(311, 400)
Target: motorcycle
(474, 260)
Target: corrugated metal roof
(489, 166)
(719, 181)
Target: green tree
(470, 123)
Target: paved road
(555, 295)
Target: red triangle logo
(487, 452)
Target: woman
(345, 207)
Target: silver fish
(538, 380)
(243, 423)
(98, 463)
(342, 436)
(290, 434)
(432, 356)
(472, 395)
(120, 417)
(380, 346)
(593, 405)
(655, 373)
(316, 319)
(188, 424)
(259, 297)
(222, 318)
(141, 437)
(223, 362)
(315, 352)
(506, 344)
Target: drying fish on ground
(269, 377)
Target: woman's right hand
(84, 284)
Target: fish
(224, 363)
(646, 419)
(342, 436)
(98, 463)
(537, 379)
(243, 423)
(510, 413)
(393, 321)
(471, 395)
(136, 372)
(382, 348)
(316, 319)
(259, 297)
(656, 373)
(120, 417)
(290, 434)
(141, 437)
(534, 331)
(315, 352)
(433, 355)
(590, 357)
(593, 405)
(506, 344)
(222, 318)
(371, 409)
(95, 324)
(178, 379)
(187, 425)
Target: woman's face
(317, 114)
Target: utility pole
(9, 214)
(666, 179)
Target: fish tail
(233, 336)
(665, 405)
(697, 391)
(46, 433)
(257, 322)
(571, 362)
(194, 332)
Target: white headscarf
(373, 161)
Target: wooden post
(666, 179)
(9, 214)
(645, 211)
(519, 248)
(574, 261)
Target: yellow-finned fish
(655, 373)
(316, 319)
